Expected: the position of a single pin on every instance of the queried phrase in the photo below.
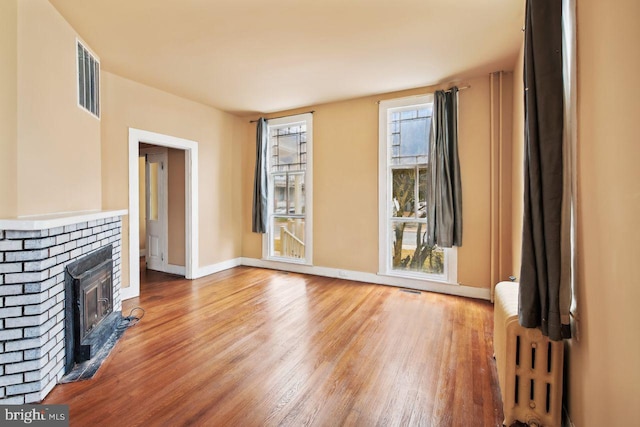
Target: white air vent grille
(88, 81)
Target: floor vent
(410, 291)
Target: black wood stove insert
(89, 317)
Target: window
(88, 81)
(405, 126)
(288, 237)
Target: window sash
(386, 195)
(416, 188)
(303, 167)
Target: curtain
(541, 269)
(259, 213)
(444, 191)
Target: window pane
(287, 237)
(288, 194)
(404, 181)
(422, 192)
(289, 148)
(413, 137)
(409, 136)
(296, 194)
(410, 252)
(153, 191)
(280, 193)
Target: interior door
(156, 210)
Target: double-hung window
(289, 155)
(405, 127)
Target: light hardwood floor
(253, 347)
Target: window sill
(288, 261)
(418, 278)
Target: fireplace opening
(95, 294)
(89, 317)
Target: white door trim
(136, 136)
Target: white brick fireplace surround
(34, 252)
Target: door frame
(163, 205)
(136, 136)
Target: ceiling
(250, 56)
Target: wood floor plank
(253, 347)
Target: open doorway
(189, 150)
(162, 208)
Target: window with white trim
(405, 126)
(88, 80)
(289, 153)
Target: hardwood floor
(253, 347)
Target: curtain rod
(412, 96)
(288, 115)
(460, 88)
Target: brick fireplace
(34, 253)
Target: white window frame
(306, 118)
(384, 193)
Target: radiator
(529, 365)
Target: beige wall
(58, 151)
(129, 104)
(176, 183)
(345, 193)
(8, 107)
(604, 365)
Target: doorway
(136, 137)
(154, 217)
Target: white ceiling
(248, 56)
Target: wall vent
(88, 80)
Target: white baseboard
(176, 269)
(358, 276)
(127, 293)
(215, 268)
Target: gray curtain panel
(259, 213)
(444, 190)
(540, 276)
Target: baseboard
(215, 268)
(358, 276)
(180, 270)
(127, 293)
